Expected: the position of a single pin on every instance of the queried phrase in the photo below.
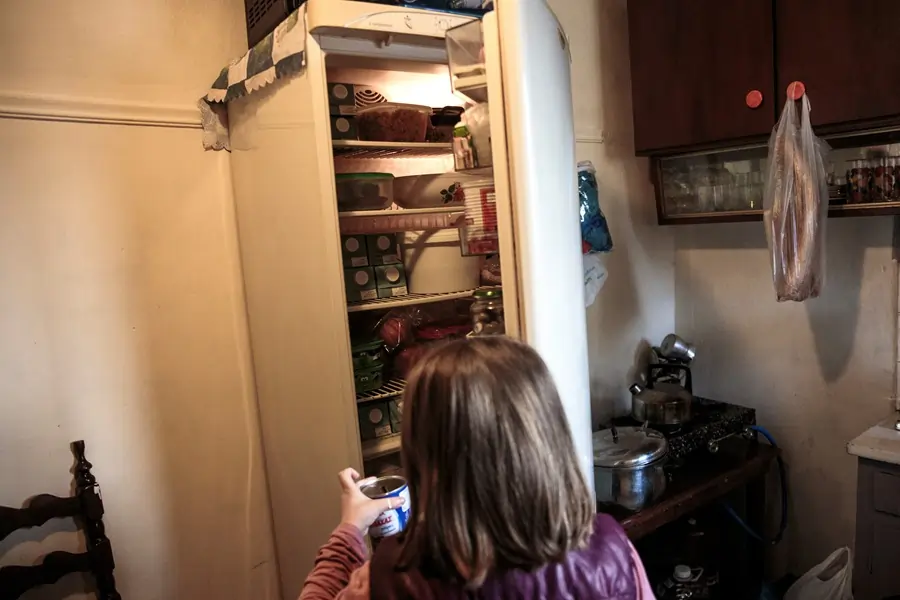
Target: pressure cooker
(628, 466)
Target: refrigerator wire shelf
(399, 220)
(409, 299)
(381, 446)
(360, 149)
(392, 388)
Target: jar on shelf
(487, 312)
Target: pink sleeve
(644, 591)
(336, 562)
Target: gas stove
(711, 423)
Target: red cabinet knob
(754, 98)
(795, 90)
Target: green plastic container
(368, 354)
(367, 380)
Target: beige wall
(121, 311)
(818, 373)
(637, 304)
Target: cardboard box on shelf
(383, 249)
(395, 408)
(374, 420)
(390, 281)
(343, 128)
(341, 98)
(359, 284)
(353, 251)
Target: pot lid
(634, 447)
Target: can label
(392, 521)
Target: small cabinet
(863, 176)
(702, 72)
(875, 572)
(845, 52)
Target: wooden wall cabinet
(845, 52)
(693, 62)
(710, 76)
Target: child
(499, 506)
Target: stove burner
(711, 421)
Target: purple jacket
(602, 571)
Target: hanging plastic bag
(595, 275)
(594, 230)
(829, 580)
(796, 205)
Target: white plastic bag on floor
(829, 580)
(796, 205)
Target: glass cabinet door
(863, 173)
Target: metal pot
(675, 348)
(663, 404)
(628, 466)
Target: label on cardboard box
(392, 292)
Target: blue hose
(784, 497)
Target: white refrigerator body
(288, 227)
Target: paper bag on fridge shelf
(796, 205)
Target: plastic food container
(367, 380)
(368, 354)
(435, 265)
(391, 122)
(364, 191)
(431, 191)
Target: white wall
(819, 373)
(637, 304)
(121, 309)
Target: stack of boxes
(372, 267)
(342, 107)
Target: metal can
(392, 521)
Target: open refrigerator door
(516, 62)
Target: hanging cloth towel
(279, 54)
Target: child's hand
(357, 509)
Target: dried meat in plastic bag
(796, 205)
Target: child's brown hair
(491, 466)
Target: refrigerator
(284, 163)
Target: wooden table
(702, 481)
